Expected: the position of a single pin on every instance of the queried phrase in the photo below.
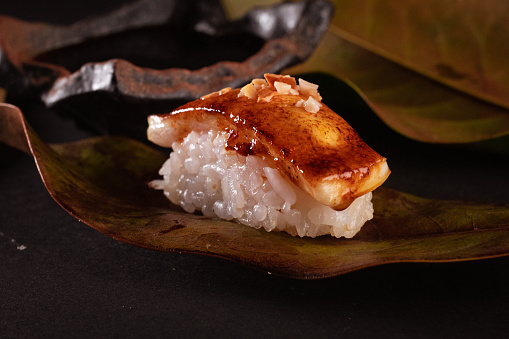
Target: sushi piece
(269, 155)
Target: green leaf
(103, 182)
(413, 105)
(434, 71)
(463, 44)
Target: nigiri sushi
(268, 155)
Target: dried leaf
(413, 105)
(103, 182)
(434, 71)
(463, 44)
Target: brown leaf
(463, 44)
(434, 71)
(103, 182)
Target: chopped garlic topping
(311, 105)
(213, 94)
(249, 91)
(272, 78)
(282, 88)
(308, 88)
(257, 83)
(266, 95)
(225, 90)
(273, 84)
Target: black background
(59, 277)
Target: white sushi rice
(202, 175)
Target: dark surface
(59, 277)
(152, 55)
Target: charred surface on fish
(320, 152)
